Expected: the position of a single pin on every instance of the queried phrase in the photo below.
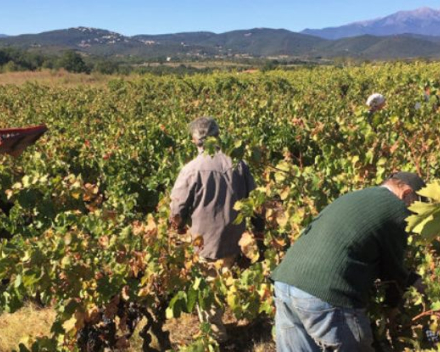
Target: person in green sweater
(322, 285)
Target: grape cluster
(95, 337)
(431, 336)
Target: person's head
(376, 102)
(202, 128)
(405, 185)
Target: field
(53, 78)
(85, 211)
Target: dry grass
(53, 78)
(244, 337)
(32, 322)
(27, 322)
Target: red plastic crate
(14, 140)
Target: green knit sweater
(358, 238)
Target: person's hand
(182, 230)
(176, 222)
(391, 315)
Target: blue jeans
(304, 323)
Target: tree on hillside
(73, 62)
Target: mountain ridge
(247, 43)
(421, 21)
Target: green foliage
(12, 59)
(426, 220)
(73, 62)
(106, 67)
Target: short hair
(375, 100)
(409, 178)
(202, 128)
(398, 183)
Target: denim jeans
(304, 323)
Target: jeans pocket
(357, 332)
(284, 316)
(364, 327)
(323, 326)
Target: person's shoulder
(374, 194)
(242, 166)
(374, 191)
(190, 167)
(206, 162)
(382, 198)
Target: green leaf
(177, 305)
(18, 281)
(435, 305)
(192, 299)
(426, 218)
(197, 283)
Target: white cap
(375, 100)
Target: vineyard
(84, 223)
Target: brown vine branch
(424, 314)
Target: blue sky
(132, 17)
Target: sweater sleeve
(249, 181)
(393, 246)
(182, 194)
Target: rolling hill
(257, 42)
(253, 42)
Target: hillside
(382, 48)
(257, 42)
(265, 42)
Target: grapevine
(84, 222)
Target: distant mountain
(3, 35)
(253, 42)
(266, 42)
(423, 21)
(81, 37)
(190, 38)
(257, 42)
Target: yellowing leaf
(285, 193)
(76, 194)
(281, 219)
(249, 247)
(198, 241)
(426, 218)
(151, 228)
(238, 206)
(144, 292)
(431, 191)
(69, 325)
